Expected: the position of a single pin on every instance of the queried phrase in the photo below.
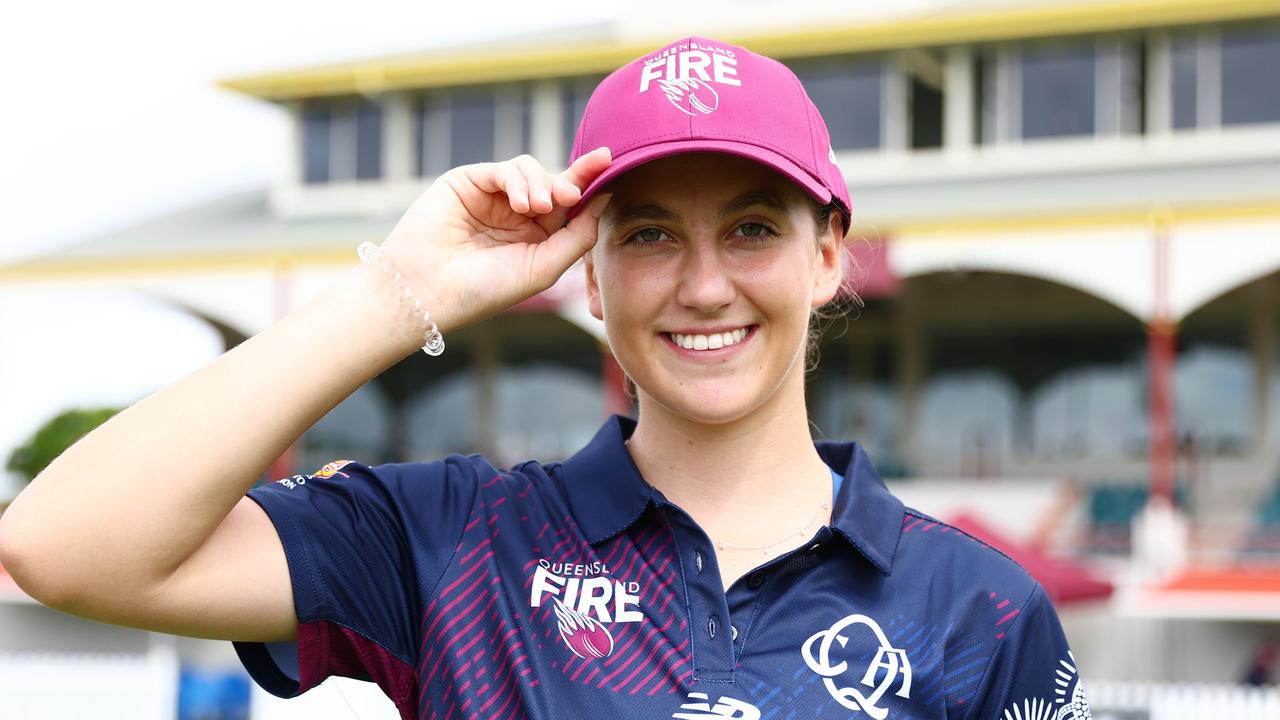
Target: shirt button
(755, 580)
(733, 630)
(697, 560)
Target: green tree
(53, 437)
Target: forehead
(702, 179)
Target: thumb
(553, 256)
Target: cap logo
(686, 73)
(691, 94)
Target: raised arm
(144, 522)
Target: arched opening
(982, 374)
(518, 386)
(1227, 405)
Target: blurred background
(1066, 241)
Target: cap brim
(764, 156)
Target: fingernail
(572, 190)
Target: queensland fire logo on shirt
(687, 74)
(583, 597)
(817, 651)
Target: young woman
(706, 560)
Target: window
(574, 95)
(1225, 77)
(1183, 52)
(341, 140)
(514, 121)
(849, 94)
(368, 141)
(315, 143)
(1079, 88)
(471, 125)
(1250, 93)
(1058, 91)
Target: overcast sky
(111, 115)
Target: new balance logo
(726, 707)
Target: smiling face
(705, 272)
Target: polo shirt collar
(607, 493)
(866, 513)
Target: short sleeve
(365, 546)
(1033, 673)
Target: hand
(484, 237)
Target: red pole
(1161, 356)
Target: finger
(552, 221)
(539, 183)
(515, 186)
(565, 193)
(500, 177)
(587, 167)
(553, 256)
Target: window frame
(1117, 85)
(343, 151)
(512, 126)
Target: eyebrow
(746, 200)
(751, 199)
(645, 212)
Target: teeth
(714, 341)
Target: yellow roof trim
(1144, 215)
(52, 268)
(475, 64)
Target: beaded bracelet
(370, 253)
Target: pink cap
(699, 95)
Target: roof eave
(485, 65)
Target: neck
(744, 480)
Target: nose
(705, 283)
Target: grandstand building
(1066, 221)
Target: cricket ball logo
(585, 598)
(586, 637)
(691, 95)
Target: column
(398, 146)
(958, 102)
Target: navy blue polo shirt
(576, 590)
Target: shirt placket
(716, 638)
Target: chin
(724, 403)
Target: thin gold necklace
(722, 545)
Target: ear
(830, 271)
(593, 287)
